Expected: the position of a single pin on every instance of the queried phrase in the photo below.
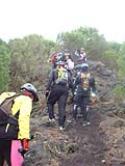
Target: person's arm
(70, 82)
(93, 92)
(93, 84)
(51, 80)
(77, 81)
(23, 104)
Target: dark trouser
(5, 151)
(81, 100)
(58, 94)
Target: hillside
(101, 143)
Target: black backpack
(8, 123)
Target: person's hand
(93, 98)
(25, 144)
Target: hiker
(55, 58)
(52, 59)
(57, 88)
(84, 86)
(14, 126)
(81, 56)
(81, 59)
(69, 62)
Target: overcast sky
(19, 18)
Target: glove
(25, 144)
(93, 98)
(93, 94)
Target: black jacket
(79, 81)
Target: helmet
(84, 67)
(29, 87)
(60, 57)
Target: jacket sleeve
(70, 82)
(77, 81)
(24, 106)
(51, 80)
(93, 84)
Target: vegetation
(4, 65)
(119, 93)
(29, 59)
(89, 38)
(25, 59)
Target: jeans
(59, 94)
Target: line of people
(15, 109)
(65, 76)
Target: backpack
(85, 80)
(62, 76)
(8, 123)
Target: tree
(4, 65)
(88, 38)
(29, 59)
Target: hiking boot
(51, 120)
(69, 121)
(86, 123)
(61, 128)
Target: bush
(119, 93)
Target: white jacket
(70, 64)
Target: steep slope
(101, 143)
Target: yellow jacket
(23, 104)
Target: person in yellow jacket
(12, 149)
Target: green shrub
(119, 93)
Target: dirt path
(90, 141)
(77, 145)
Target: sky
(19, 18)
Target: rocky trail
(90, 143)
(101, 143)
